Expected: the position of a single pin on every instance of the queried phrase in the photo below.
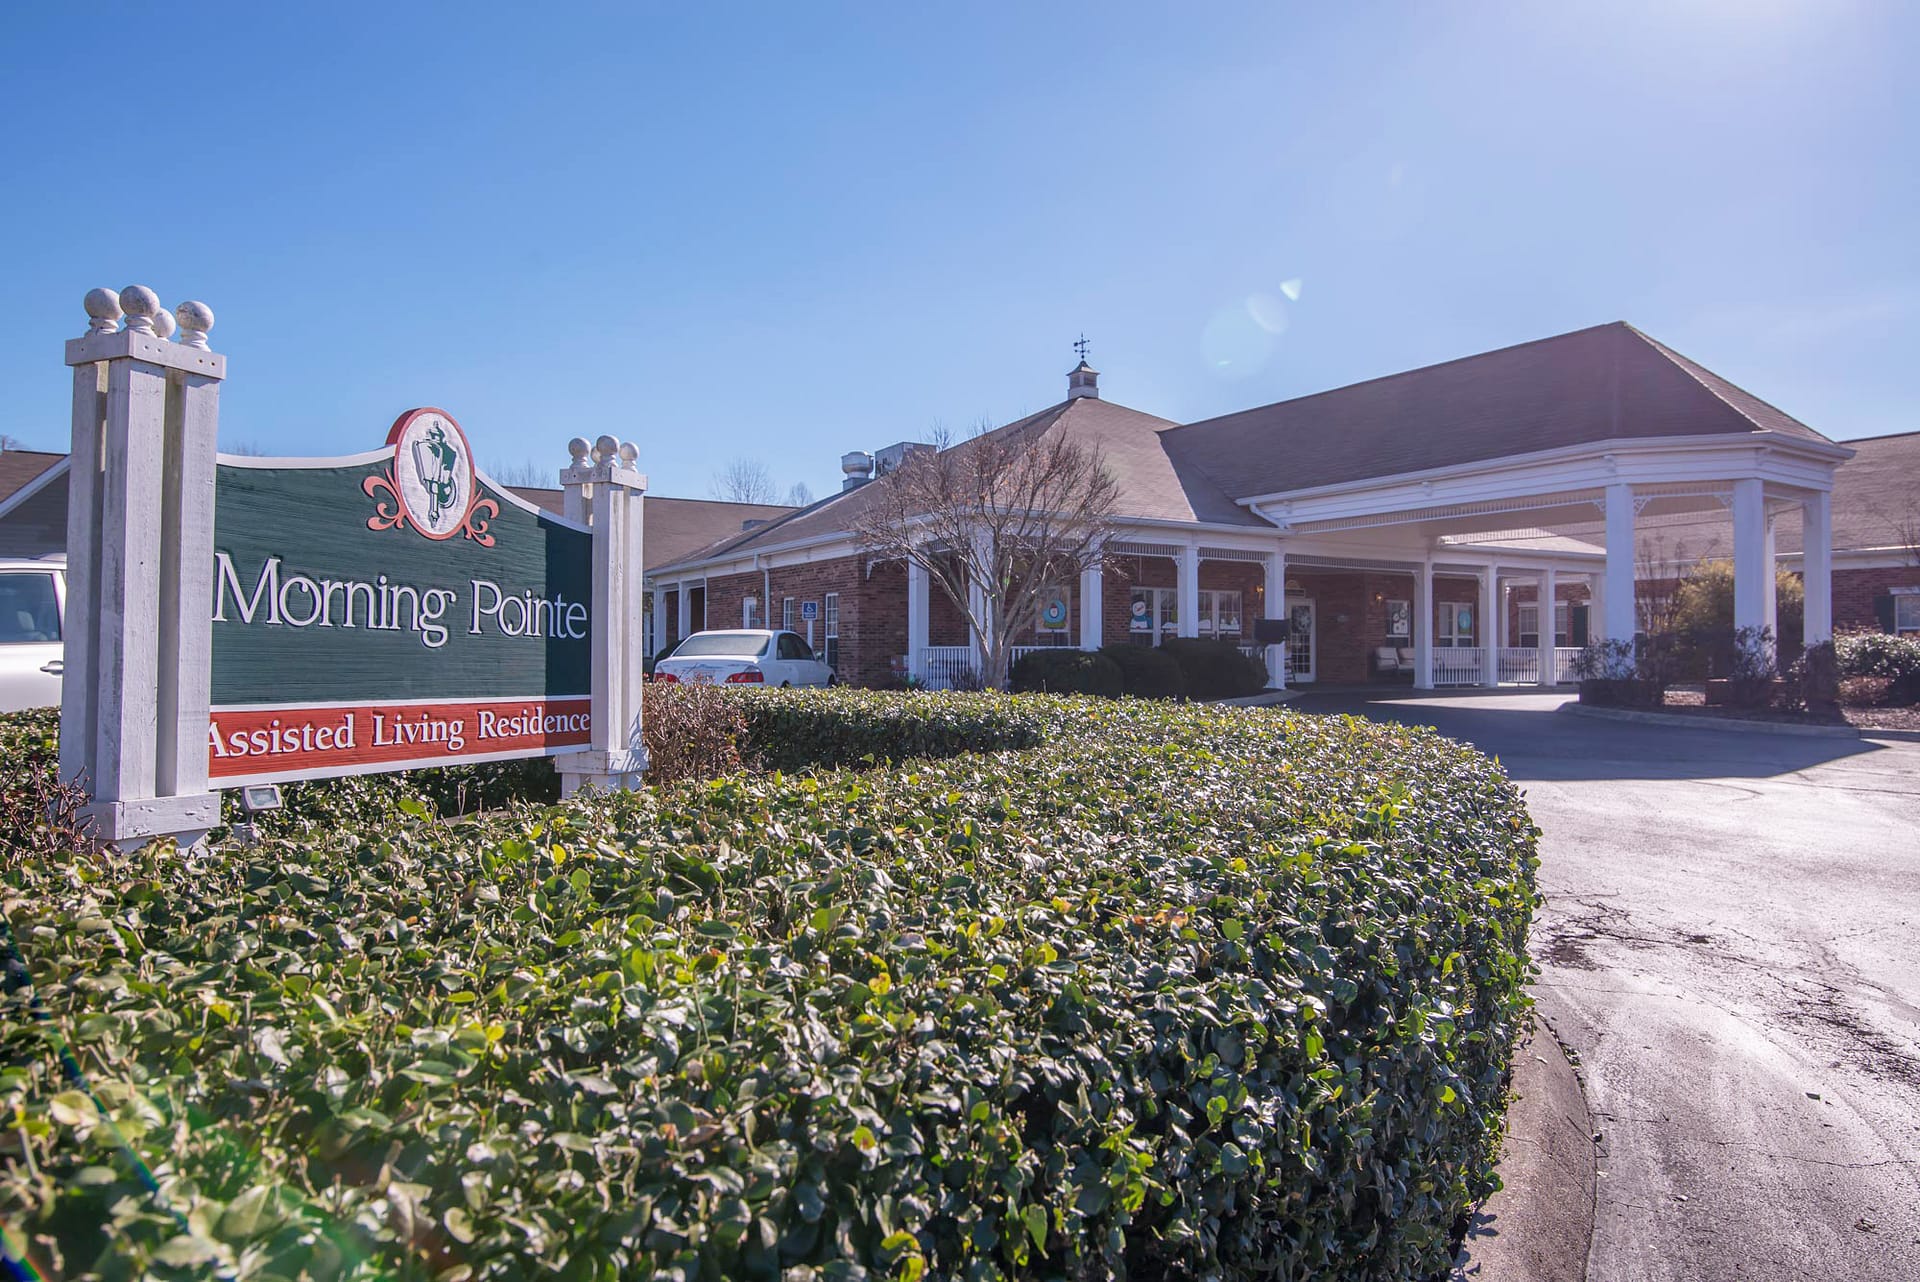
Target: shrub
(1146, 672)
(796, 730)
(39, 815)
(1195, 992)
(691, 732)
(1865, 692)
(1881, 654)
(1215, 669)
(1061, 670)
(1703, 620)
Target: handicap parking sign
(809, 610)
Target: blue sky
(786, 231)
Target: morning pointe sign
(236, 620)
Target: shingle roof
(19, 468)
(1607, 382)
(1153, 485)
(677, 527)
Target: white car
(744, 656)
(33, 601)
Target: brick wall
(1854, 592)
(1524, 594)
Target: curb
(1265, 699)
(1539, 1226)
(1715, 723)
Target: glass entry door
(1299, 639)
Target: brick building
(1405, 527)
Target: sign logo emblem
(431, 484)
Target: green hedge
(1213, 669)
(1062, 670)
(1189, 992)
(804, 730)
(1145, 672)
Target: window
(1563, 623)
(1456, 623)
(1527, 631)
(749, 606)
(1906, 613)
(792, 647)
(830, 630)
(1226, 613)
(29, 611)
(786, 613)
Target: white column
(138, 653)
(1093, 592)
(1770, 589)
(1547, 609)
(1489, 598)
(919, 618)
(1749, 553)
(1617, 592)
(683, 594)
(659, 619)
(1187, 598)
(610, 490)
(1816, 566)
(1596, 606)
(1423, 628)
(1276, 608)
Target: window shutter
(1883, 611)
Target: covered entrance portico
(1460, 534)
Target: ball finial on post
(628, 453)
(163, 325)
(577, 449)
(140, 304)
(103, 311)
(604, 449)
(195, 320)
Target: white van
(33, 601)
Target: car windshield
(28, 610)
(738, 645)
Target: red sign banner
(265, 742)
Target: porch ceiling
(1576, 514)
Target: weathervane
(1081, 347)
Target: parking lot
(1731, 947)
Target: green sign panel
(391, 609)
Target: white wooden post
(1770, 588)
(659, 620)
(1749, 553)
(139, 641)
(979, 605)
(1489, 638)
(610, 493)
(1423, 628)
(1093, 593)
(683, 596)
(1816, 567)
(1617, 586)
(919, 619)
(1187, 594)
(1548, 610)
(1276, 608)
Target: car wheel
(832, 680)
(786, 685)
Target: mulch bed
(1694, 703)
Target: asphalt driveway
(1731, 944)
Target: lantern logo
(431, 485)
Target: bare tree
(11, 443)
(528, 474)
(1900, 521)
(246, 449)
(745, 480)
(798, 495)
(1010, 513)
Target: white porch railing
(1457, 665)
(940, 665)
(1520, 665)
(1563, 660)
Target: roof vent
(752, 523)
(858, 467)
(893, 456)
(1083, 380)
